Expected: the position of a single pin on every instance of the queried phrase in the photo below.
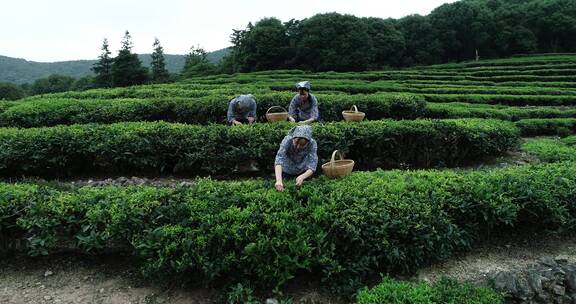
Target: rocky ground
(528, 267)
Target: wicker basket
(353, 114)
(338, 168)
(278, 116)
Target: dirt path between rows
(508, 252)
(113, 279)
(82, 279)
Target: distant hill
(20, 71)
(217, 56)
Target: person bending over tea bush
(296, 156)
(304, 106)
(242, 109)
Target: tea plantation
(415, 198)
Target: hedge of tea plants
(342, 231)
(159, 147)
(244, 231)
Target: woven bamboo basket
(338, 168)
(353, 114)
(278, 116)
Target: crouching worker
(296, 156)
(304, 106)
(242, 109)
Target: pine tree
(159, 72)
(103, 68)
(127, 69)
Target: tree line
(452, 32)
(125, 69)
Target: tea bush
(212, 109)
(445, 291)
(156, 147)
(552, 126)
(343, 230)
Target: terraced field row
(342, 231)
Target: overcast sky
(57, 30)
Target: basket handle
(332, 160)
(354, 107)
(273, 107)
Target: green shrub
(10, 91)
(552, 126)
(153, 147)
(464, 110)
(445, 291)
(353, 87)
(143, 91)
(551, 150)
(343, 230)
(511, 100)
(536, 72)
(212, 109)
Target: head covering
(304, 131)
(245, 101)
(303, 85)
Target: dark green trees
(159, 72)
(52, 84)
(262, 46)
(197, 63)
(127, 69)
(334, 42)
(452, 32)
(103, 68)
(10, 91)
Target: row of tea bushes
(212, 109)
(552, 149)
(543, 126)
(444, 291)
(467, 110)
(159, 147)
(344, 230)
(510, 100)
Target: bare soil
(506, 252)
(111, 279)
